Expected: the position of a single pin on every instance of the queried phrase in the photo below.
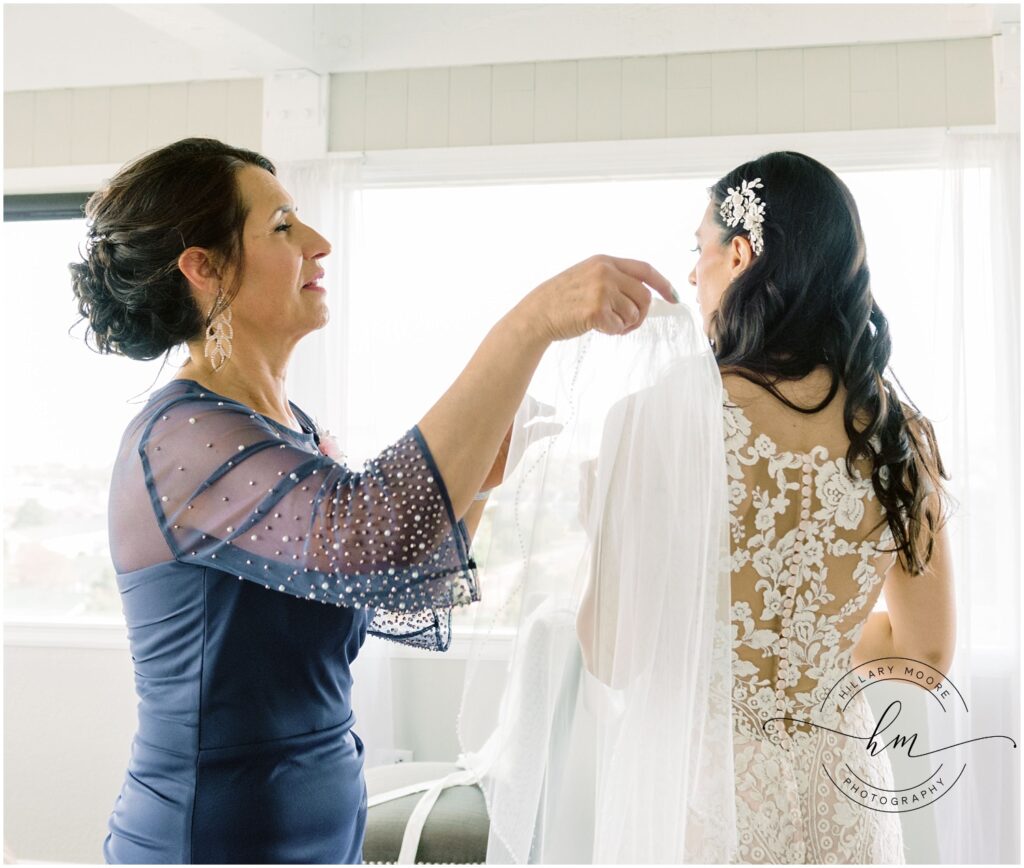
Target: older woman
(250, 563)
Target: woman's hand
(604, 293)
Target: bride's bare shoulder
(740, 386)
(745, 387)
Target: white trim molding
(683, 157)
(41, 633)
(512, 164)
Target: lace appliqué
(804, 578)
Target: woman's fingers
(646, 272)
(609, 322)
(637, 293)
(606, 293)
(630, 301)
(626, 310)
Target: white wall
(846, 87)
(76, 126)
(837, 87)
(69, 718)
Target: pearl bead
(394, 509)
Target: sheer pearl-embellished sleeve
(233, 493)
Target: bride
(702, 547)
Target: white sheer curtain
(968, 287)
(327, 193)
(975, 319)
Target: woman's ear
(199, 269)
(741, 254)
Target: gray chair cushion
(455, 831)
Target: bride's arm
(875, 639)
(921, 618)
(595, 630)
(597, 616)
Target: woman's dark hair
(806, 301)
(129, 286)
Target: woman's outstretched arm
(465, 428)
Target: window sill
(38, 633)
(26, 633)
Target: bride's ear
(741, 254)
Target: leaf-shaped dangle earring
(218, 337)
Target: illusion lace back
(805, 536)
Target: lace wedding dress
(677, 511)
(806, 571)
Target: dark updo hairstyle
(129, 286)
(806, 301)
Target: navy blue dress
(251, 568)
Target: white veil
(608, 569)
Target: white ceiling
(57, 45)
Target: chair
(455, 831)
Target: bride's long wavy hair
(806, 301)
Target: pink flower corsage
(329, 446)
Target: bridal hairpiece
(743, 204)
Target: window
(433, 268)
(67, 407)
(436, 266)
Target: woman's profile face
(279, 257)
(717, 264)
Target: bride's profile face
(717, 264)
